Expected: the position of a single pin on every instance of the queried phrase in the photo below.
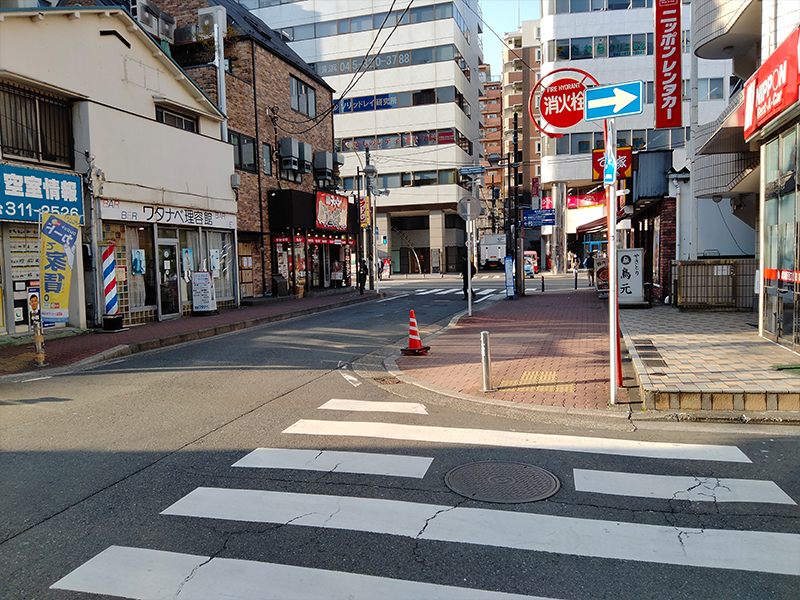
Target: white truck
(493, 250)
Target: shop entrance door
(168, 264)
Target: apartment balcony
(513, 77)
(492, 121)
(494, 92)
(729, 29)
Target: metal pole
(470, 227)
(519, 239)
(611, 192)
(486, 363)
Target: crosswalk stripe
(489, 291)
(517, 439)
(414, 408)
(426, 292)
(145, 574)
(758, 551)
(696, 489)
(450, 291)
(497, 277)
(484, 298)
(364, 463)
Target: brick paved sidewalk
(547, 349)
(62, 351)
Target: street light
(371, 172)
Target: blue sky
(502, 16)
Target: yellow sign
(59, 236)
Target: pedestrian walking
(362, 276)
(589, 264)
(467, 264)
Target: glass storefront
(781, 277)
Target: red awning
(597, 225)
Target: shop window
(562, 49)
(190, 259)
(221, 254)
(389, 141)
(34, 126)
(303, 97)
(601, 47)
(639, 44)
(619, 45)
(244, 154)
(142, 272)
(581, 48)
(177, 120)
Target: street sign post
(539, 217)
(473, 170)
(609, 101)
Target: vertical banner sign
(363, 207)
(59, 237)
(110, 280)
(668, 101)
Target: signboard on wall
(331, 212)
(27, 193)
(773, 88)
(624, 164)
(630, 276)
(668, 76)
(121, 210)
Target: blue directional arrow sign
(610, 171)
(611, 101)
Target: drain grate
(502, 482)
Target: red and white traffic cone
(415, 347)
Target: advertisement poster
(508, 263)
(203, 297)
(137, 261)
(33, 306)
(331, 212)
(187, 259)
(213, 259)
(59, 236)
(601, 275)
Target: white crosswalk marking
(497, 277)
(484, 298)
(765, 552)
(393, 465)
(425, 293)
(145, 574)
(450, 291)
(488, 291)
(696, 489)
(484, 437)
(372, 406)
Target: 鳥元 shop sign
(331, 212)
(773, 88)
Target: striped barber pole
(110, 280)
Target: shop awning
(598, 225)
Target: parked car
(530, 263)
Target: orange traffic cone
(415, 347)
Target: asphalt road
(118, 479)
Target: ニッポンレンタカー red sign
(773, 88)
(668, 77)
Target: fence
(720, 284)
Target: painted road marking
(516, 439)
(758, 551)
(146, 574)
(488, 291)
(696, 489)
(484, 298)
(425, 293)
(393, 298)
(350, 379)
(451, 291)
(364, 463)
(367, 406)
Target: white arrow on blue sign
(609, 101)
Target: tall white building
(613, 41)
(408, 79)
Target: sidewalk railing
(719, 284)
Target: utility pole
(370, 172)
(519, 237)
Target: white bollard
(486, 363)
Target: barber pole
(110, 280)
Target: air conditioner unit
(305, 157)
(289, 151)
(323, 166)
(208, 17)
(185, 34)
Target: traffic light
(495, 193)
(384, 240)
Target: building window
(34, 126)
(303, 98)
(174, 119)
(266, 153)
(244, 151)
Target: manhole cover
(502, 482)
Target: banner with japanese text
(59, 237)
(668, 79)
(331, 212)
(624, 163)
(27, 193)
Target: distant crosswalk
(150, 574)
